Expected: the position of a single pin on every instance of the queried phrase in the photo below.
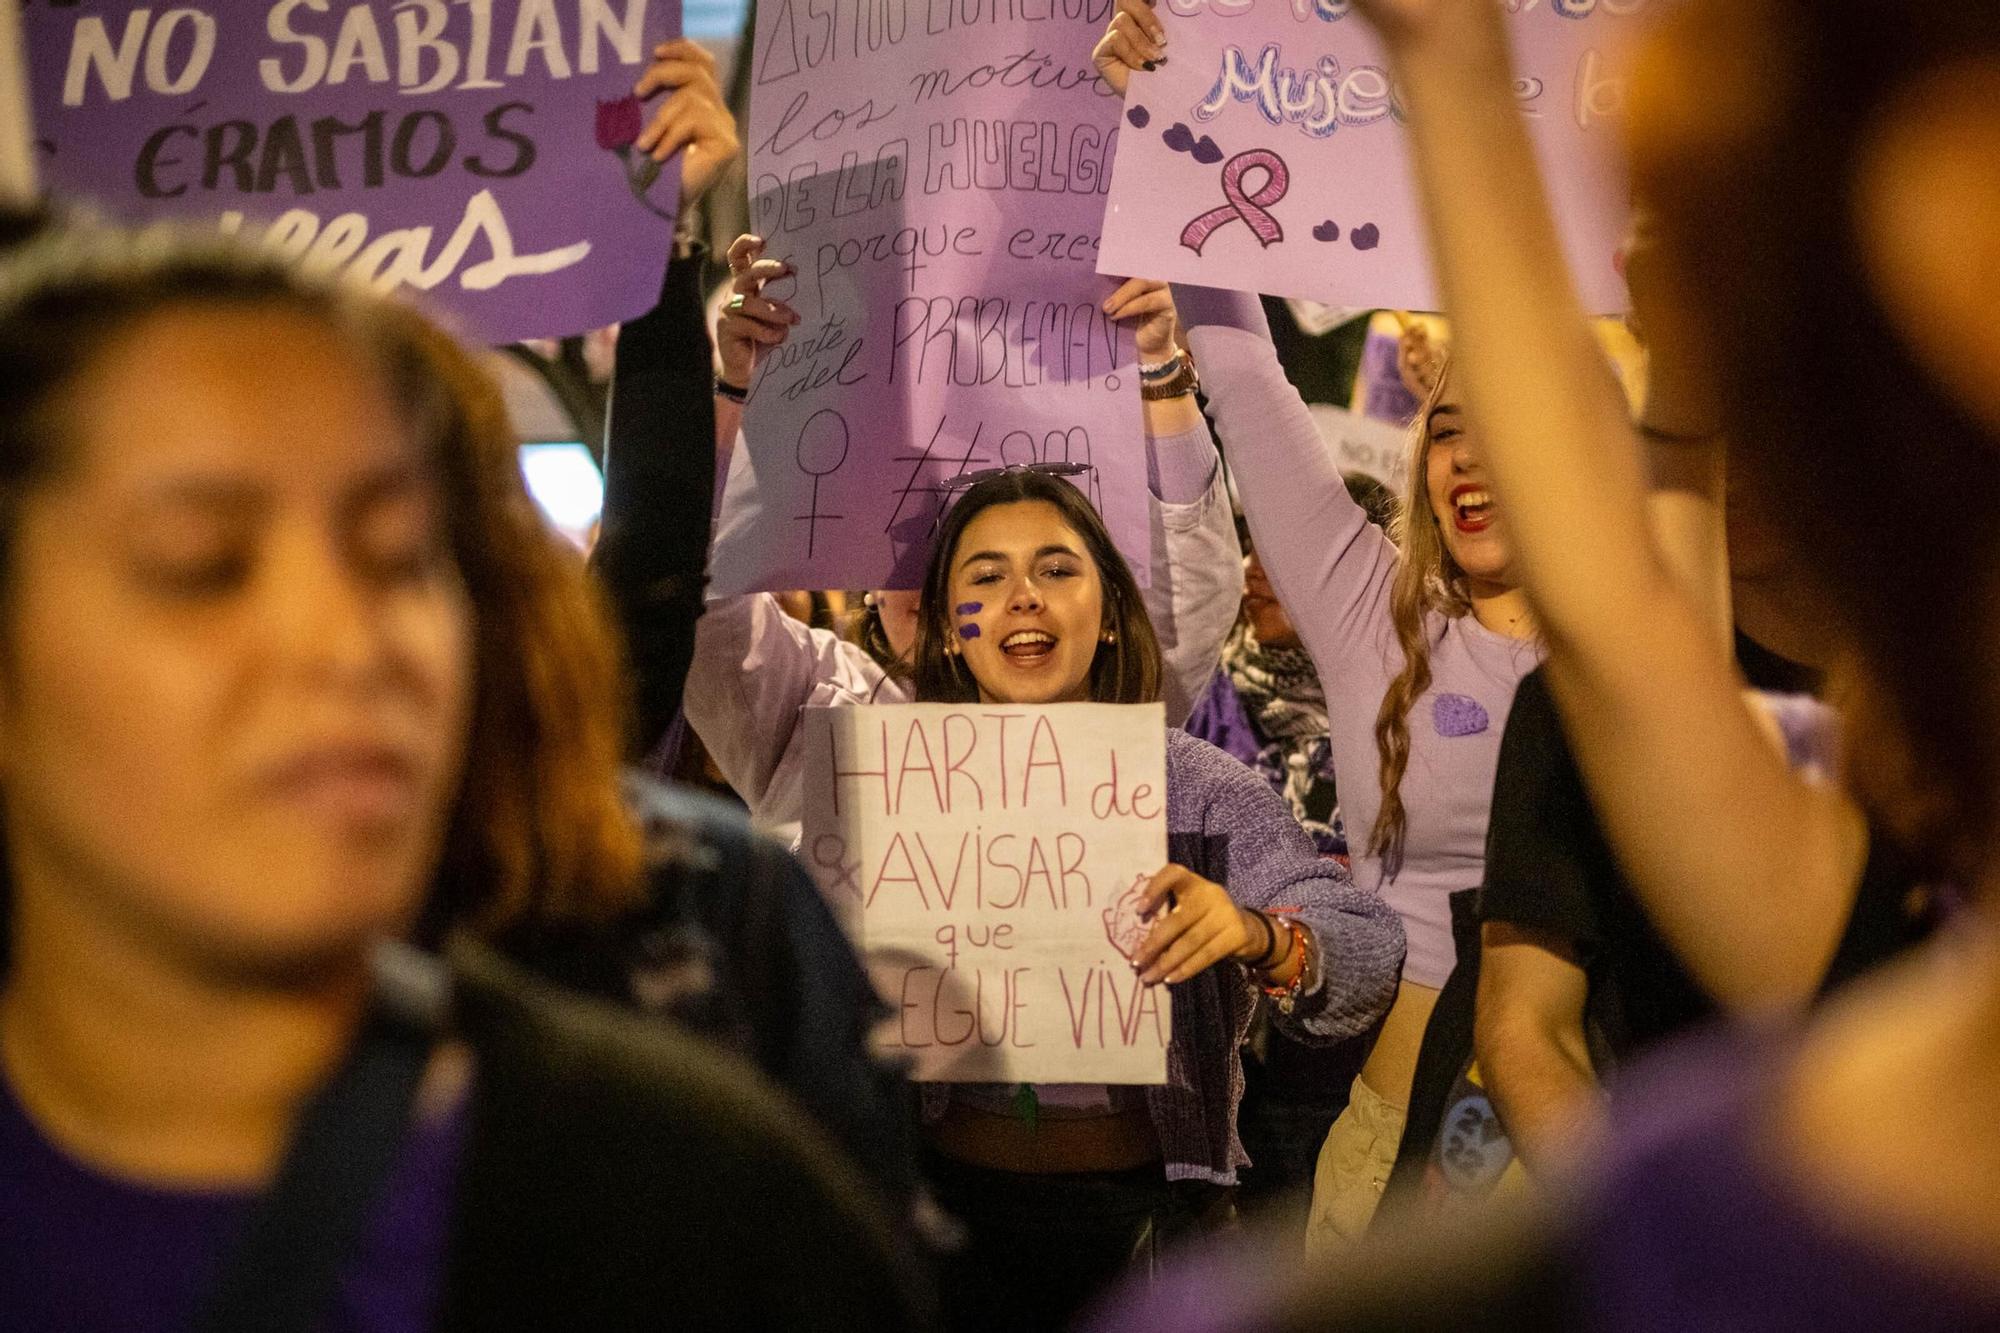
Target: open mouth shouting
(1028, 647)
(1471, 508)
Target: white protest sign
(986, 860)
(1375, 448)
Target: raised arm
(754, 666)
(1196, 580)
(1326, 561)
(1746, 871)
(652, 550)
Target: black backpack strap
(283, 1274)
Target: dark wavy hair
(1125, 671)
(1758, 217)
(538, 829)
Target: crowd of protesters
(1575, 909)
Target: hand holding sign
(1135, 40)
(752, 324)
(1150, 306)
(695, 116)
(1203, 927)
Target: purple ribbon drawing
(1250, 208)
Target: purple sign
(478, 151)
(1267, 153)
(935, 171)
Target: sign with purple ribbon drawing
(477, 153)
(935, 173)
(1267, 152)
(989, 863)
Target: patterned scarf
(1281, 695)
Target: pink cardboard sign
(1268, 153)
(935, 172)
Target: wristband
(1161, 370)
(1287, 997)
(724, 389)
(1270, 939)
(1178, 385)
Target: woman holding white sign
(755, 668)
(1026, 601)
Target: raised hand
(694, 116)
(751, 324)
(1149, 306)
(1134, 39)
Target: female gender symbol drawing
(822, 449)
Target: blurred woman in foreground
(293, 673)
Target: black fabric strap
(283, 1274)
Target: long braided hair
(1427, 579)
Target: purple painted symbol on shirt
(968, 631)
(970, 608)
(1457, 715)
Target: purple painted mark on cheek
(968, 631)
(970, 608)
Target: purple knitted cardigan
(1227, 825)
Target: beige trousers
(1354, 1166)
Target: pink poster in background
(935, 171)
(1267, 153)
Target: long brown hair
(538, 829)
(1125, 671)
(1427, 579)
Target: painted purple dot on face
(970, 608)
(1139, 116)
(968, 631)
(1458, 715)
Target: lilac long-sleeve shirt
(1333, 571)
(1226, 824)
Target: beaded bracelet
(1287, 996)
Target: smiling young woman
(1026, 600)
